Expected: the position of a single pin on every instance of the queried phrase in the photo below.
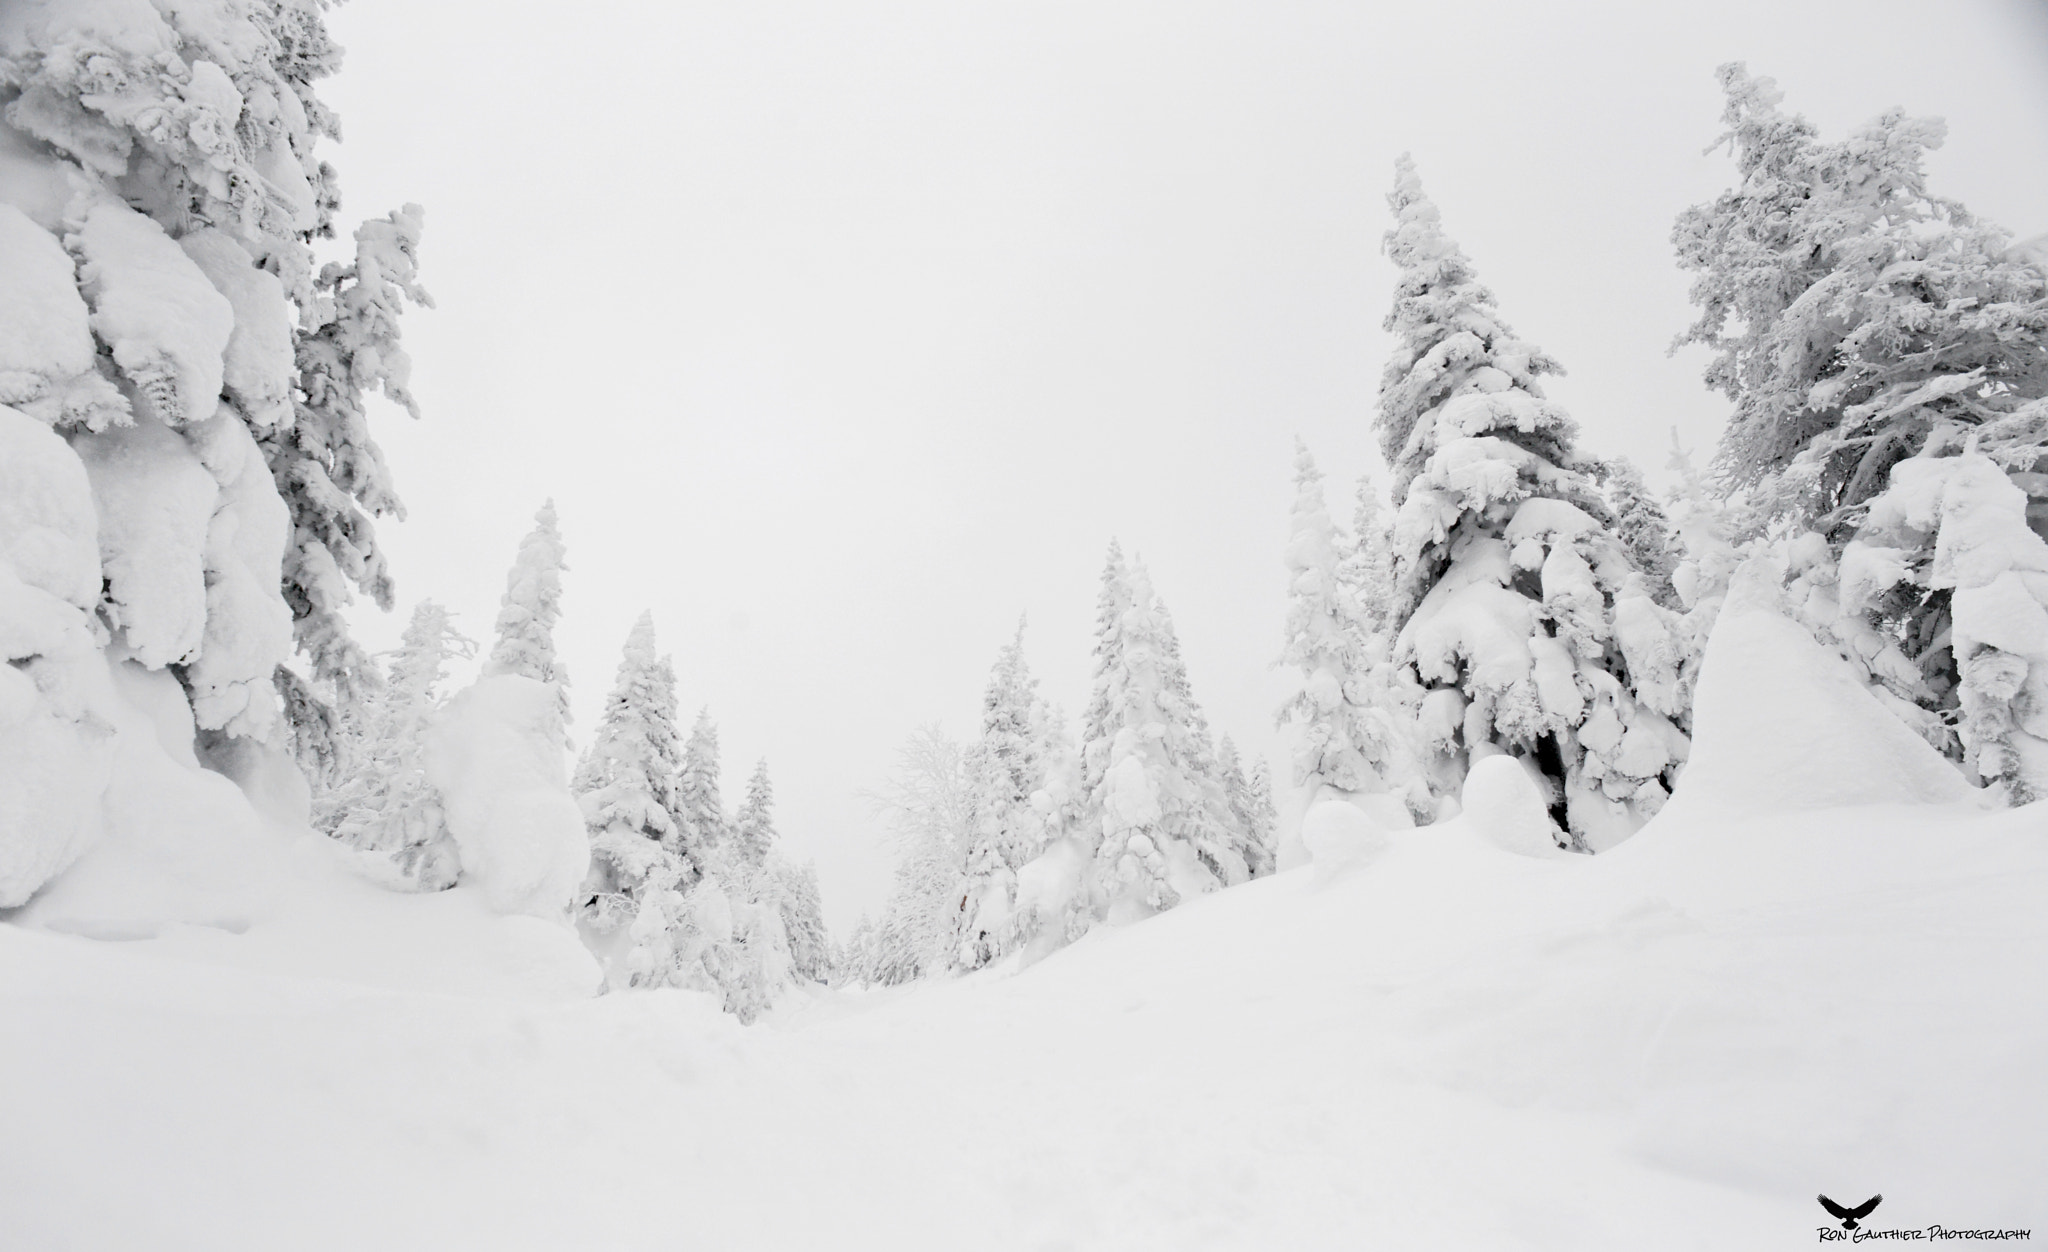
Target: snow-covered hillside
(1427, 1038)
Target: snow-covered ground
(1802, 977)
(1439, 1044)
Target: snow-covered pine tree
(1251, 812)
(1705, 524)
(854, 961)
(704, 821)
(736, 913)
(387, 805)
(156, 254)
(803, 920)
(1226, 848)
(627, 788)
(1165, 827)
(1994, 569)
(325, 463)
(1111, 601)
(1849, 310)
(1643, 526)
(531, 606)
(1005, 768)
(1259, 810)
(754, 828)
(1857, 320)
(1365, 566)
(1506, 570)
(1337, 742)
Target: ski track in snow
(1440, 1045)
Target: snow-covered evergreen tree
(1859, 322)
(1507, 569)
(326, 465)
(1258, 807)
(1850, 312)
(1165, 826)
(531, 606)
(1005, 769)
(704, 821)
(157, 276)
(388, 805)
(156, 267)
(1111, 602)
(754, 829)
(1994, 569)
(803, 920)
(1336, 740)
(627, 787)
(1250, 806)
(1643, 526)
(1705, 524)
(665, 911)
(1365, 565)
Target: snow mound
(171, 858)
(494, 756)
(1780, 723)
(1504, 806)
(1351, 830)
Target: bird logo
(1850, 1217)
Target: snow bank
(493, 755)
(1780, 723)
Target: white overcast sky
(844, 333)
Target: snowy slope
(1446, 1046)
(1436, 1042)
